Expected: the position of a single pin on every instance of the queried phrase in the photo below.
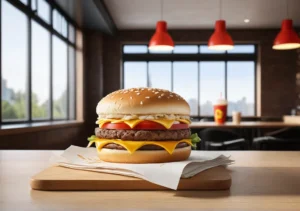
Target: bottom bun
(144, 156)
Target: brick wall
(277, 69)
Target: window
(205, 50)
(243, 49)
(241, 95)
(40, 65)
(135, 49)
(60, 23)
(185, 49)
(14, 50)
(59, 84)
(212, 85)
(135, 74)
(43, 10)
(38, 72)
(160, 75)
(198, 74)
(185, 79)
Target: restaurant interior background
(59, 58)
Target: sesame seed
(130, 98)
(162, 94)
(156, 93)
(159, 96)
(147, 97)
(125, 91)
(138, 93)
(141, 102)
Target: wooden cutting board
(65, 179)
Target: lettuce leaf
(92, 138)
(195, 139)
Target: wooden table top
(246, 124)
(260, 181)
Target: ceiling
(88, 14)
(195, 14)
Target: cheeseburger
(143, 125)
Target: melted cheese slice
(132, 146)
(132, 123)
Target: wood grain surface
(260, 181)
(60, 178)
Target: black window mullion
(68, 84)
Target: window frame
(194, 57)
(32, 15)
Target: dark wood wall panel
(59, 138)
(93, 69)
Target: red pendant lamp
(287, 38)
(220, 39)
(161, 40)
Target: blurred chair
(207, 119)
(221, 139)
(280, 140)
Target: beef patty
(146, 147)
(142, 135)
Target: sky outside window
(14, 63)
(185, 77)
(40, 72)
(160, 75)
(59, 78)
(241, 76)
(212, 85)
(135, 74)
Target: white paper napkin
(164, 174)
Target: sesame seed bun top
(140, 101)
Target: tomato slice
(144, 125)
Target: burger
(143, 125)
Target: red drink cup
(220, 111)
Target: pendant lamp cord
(161, 9)
(287, 9)
(220, 10)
